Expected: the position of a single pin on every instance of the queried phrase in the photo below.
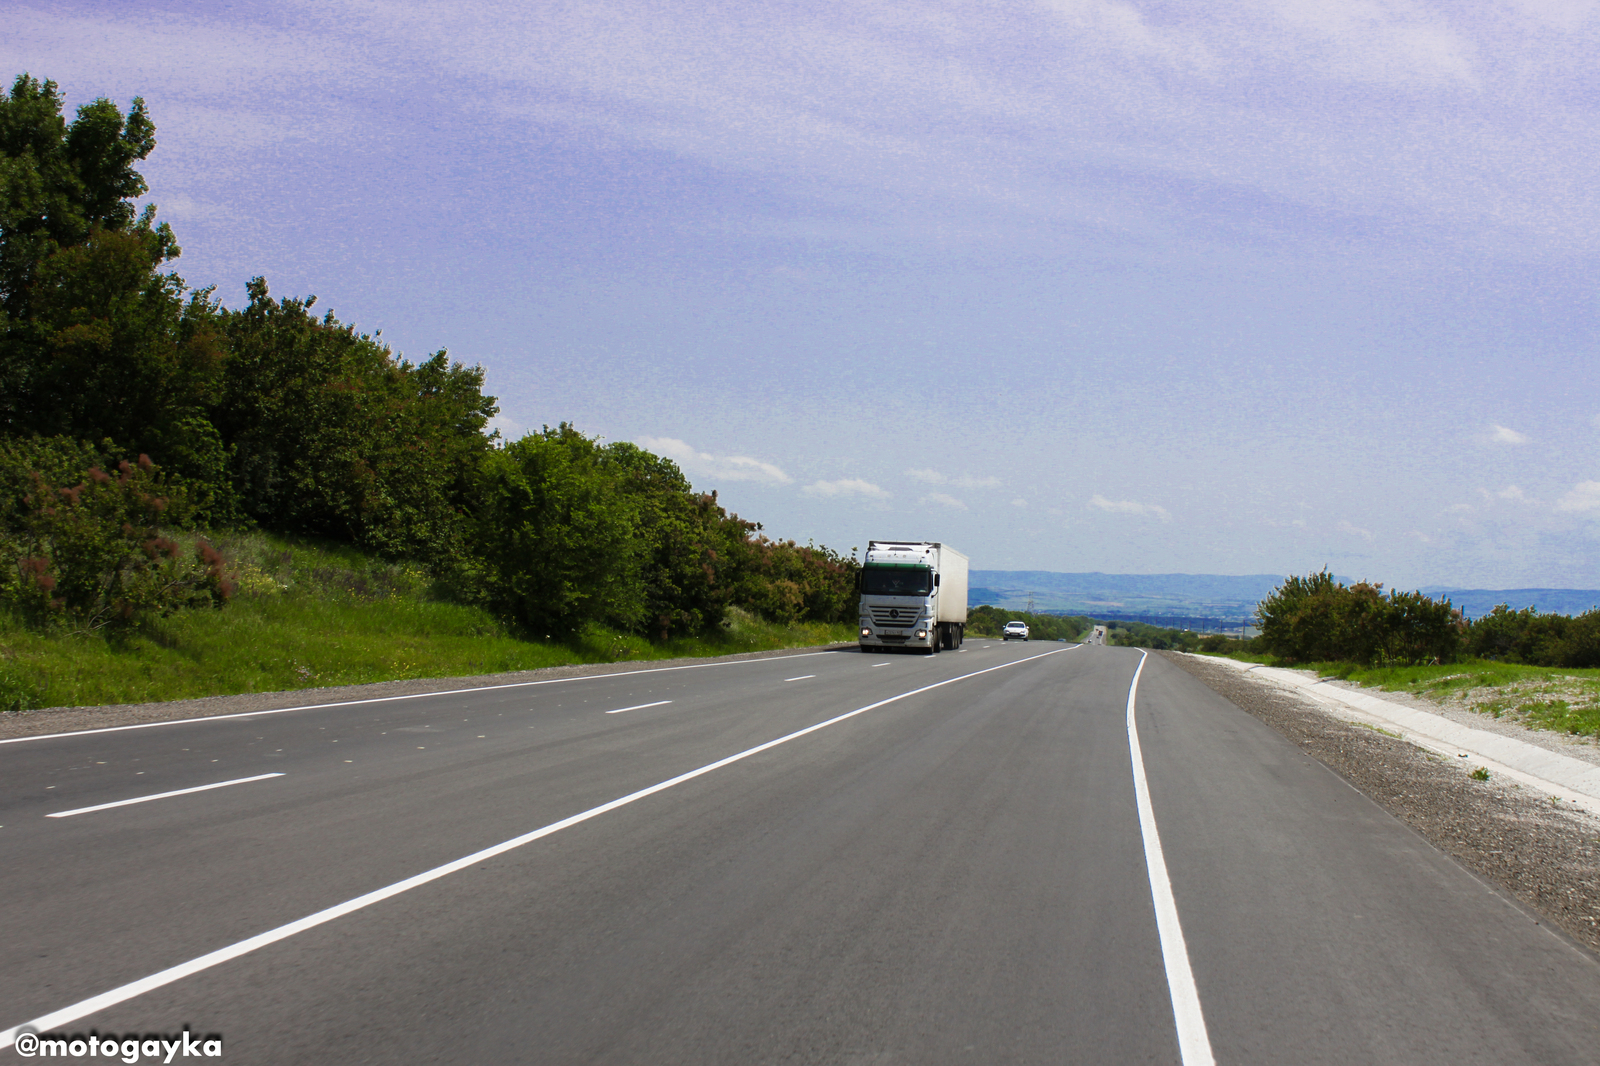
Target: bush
(1526, 636)
(93, 555)
(786, 583)
(555, 535)
(1316, 619)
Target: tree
(556, 535)
(59, 182)
(331, 434)
(1318, 619)
(687, 542)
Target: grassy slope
(309, 615)
(1544, 697)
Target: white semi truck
(913, 595)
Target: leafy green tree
(58, 182)
(787, 582)
(556, 535)
(1318, 619)
(95, 341)
(330, 433)
(1526, 636)
(686, 544)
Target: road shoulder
(1514, 837)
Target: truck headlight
(866, 632)
(921, 633)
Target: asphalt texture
(956, 876)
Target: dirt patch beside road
(1544, 856)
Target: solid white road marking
(391, 699)
(802, 677)
(1194, 1045)
(640, 706)
(84, 1008)
(162, 795)
(874, 666)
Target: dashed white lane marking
(802, 677)
(162, 795)
(874, 666)
(407, 696)
(84, 1008)
(1194, 1044)
(640, 706)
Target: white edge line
(1194, 1045)
(407, 696)
(163, 795)
(83, 1008)
(802, 677)
(640, 706)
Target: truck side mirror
(936, 580)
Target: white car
(1014, 631)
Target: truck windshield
(896, 580)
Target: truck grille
(885, 616)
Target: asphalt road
(957, 875)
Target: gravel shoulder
(76, 719)
(1463, 711)
(1544, 856)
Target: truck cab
(913, 595)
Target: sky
(1074, 285)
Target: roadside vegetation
(988, 621)
(1542, 670)
(308, 614)
(200, 499)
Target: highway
(824, 858)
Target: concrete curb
(1558, 775)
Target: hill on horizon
(1216, 597)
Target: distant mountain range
(1209, 598)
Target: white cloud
(1510, 492)
(1019, 502)
(723, 467)
(1421, 536)
(1352, 528)
(508, 428)
(965, 481)
(1100, 503)
(845, 487)
(1585, 496)
(943, 500)
(1505, 435)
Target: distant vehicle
(913, 595)
(1014, 631)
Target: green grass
(1545, 697)
(309, 615)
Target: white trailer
(913, 595)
